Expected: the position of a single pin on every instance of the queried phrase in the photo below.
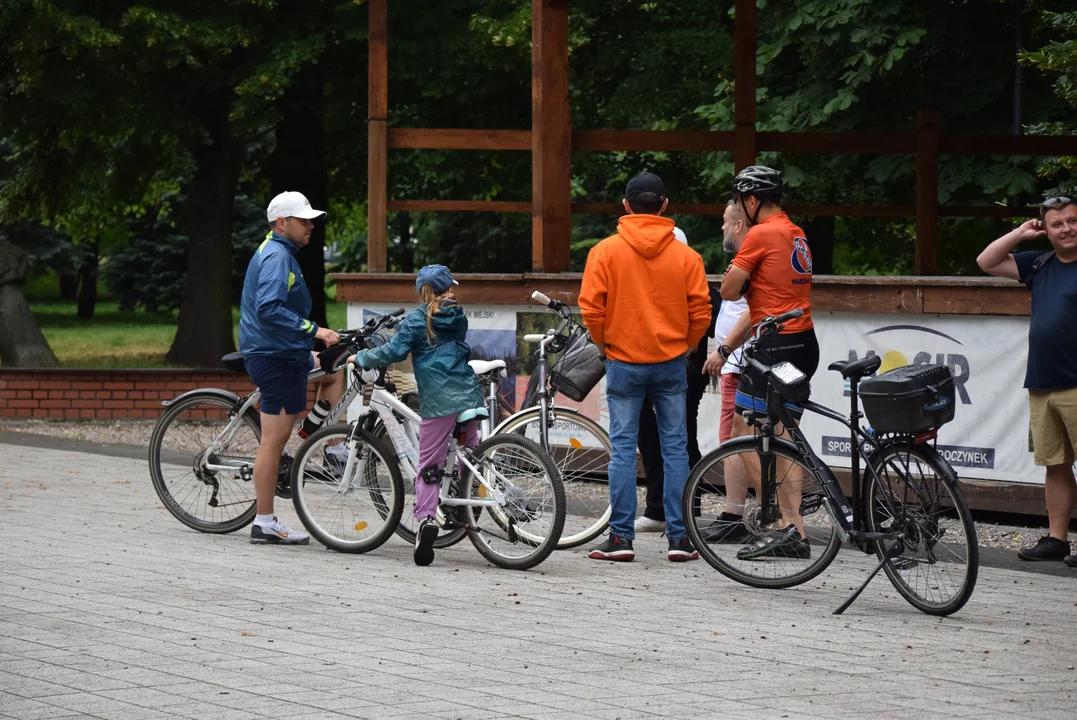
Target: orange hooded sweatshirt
(644, 294)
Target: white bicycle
(509, 499)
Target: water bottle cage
(432, 474)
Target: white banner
(987, 439)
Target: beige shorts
(1053, 416)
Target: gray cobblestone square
(110, 608)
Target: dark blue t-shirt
(1052, 329)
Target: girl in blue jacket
(433, 335)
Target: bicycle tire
(408, 525)
(705, 498)
(534, 501)
(334, 518)
(922, 505)
(197, 492)
(584, 466)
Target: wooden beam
(377, 139)
(505, 206)
(651, 140)
(1037, 145)
(551, 137)
(744, 51)
(927, 193)
(459, 139)
(837, 143)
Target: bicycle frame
(849, 519)
(405, 439)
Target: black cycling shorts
(801, 349)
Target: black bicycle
(906, 508)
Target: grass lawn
(121, 339)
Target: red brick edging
(90, 394)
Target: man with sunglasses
(1051, 375)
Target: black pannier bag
(579, 368)
(909, 399)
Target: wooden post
(744, 40)
(377, 135)
(927, 193)
(551, 137)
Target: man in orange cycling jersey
(773, 270)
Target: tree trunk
(21, 342)
(69, 287)
(87, 280)
(820, 232)
(204, 331)
(298, 163)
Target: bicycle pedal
(904, 563)
(811, 503)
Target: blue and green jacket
(276, 303)
(447, 384)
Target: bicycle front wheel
(727, 480)
(356, 516)
(916, 496)
(181, 449)
(580, 449)
(523, 528)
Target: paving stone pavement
(109, 608)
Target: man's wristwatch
(725, 351)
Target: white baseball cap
(292, 204)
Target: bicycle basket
(909, 399)
(578, 369)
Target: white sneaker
(646, 524)
(277, 533)
(340, 450)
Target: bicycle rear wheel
(917, 495)
(524, 528)
(210, 501)
(724, 545)
(353, 518)
(580, 448)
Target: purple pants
(434, 434)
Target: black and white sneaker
(615, 548)
(681, 550)
(724, 531)
(424, 541)
(277, 533)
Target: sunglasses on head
(1055, 203)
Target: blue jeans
(626, 386)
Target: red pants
(728, 388)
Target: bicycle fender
(213, 392)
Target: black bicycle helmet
(759, 180)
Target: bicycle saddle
(472, 414)
(482, 367)
(234, 362)
(857, 368)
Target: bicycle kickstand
(891, 552)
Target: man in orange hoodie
(645, 302)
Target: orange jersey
(776, 254)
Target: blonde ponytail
(433, 307)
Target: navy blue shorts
(282, 380)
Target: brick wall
(105, 394)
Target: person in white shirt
(732, 321)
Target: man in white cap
(276, 338)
